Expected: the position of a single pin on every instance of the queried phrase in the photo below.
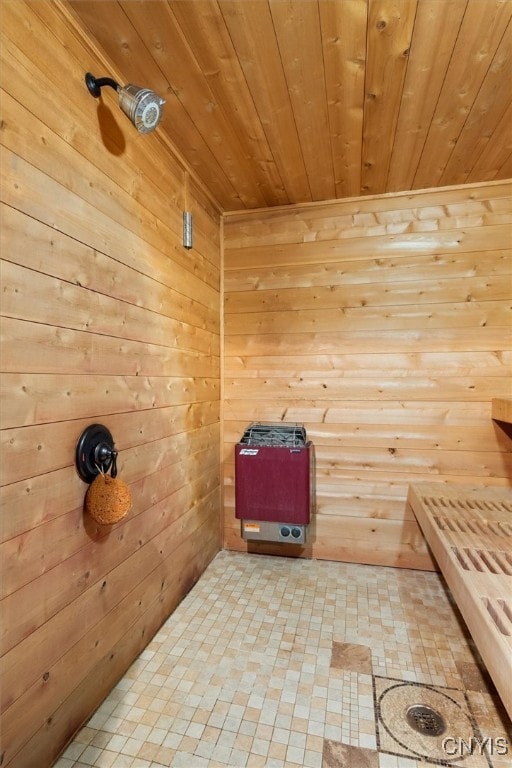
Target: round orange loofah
(108, 499)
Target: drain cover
(425, 720)
(413, 720)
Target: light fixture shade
(142, 106)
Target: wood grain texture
(464, 81)
(469, 533)
(389, 33)
(502, 409)
(288, 101)
(382, 322)
(389, 348)
(105, 318)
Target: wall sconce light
(187, 229)
(141, 105)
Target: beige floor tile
(277, 663)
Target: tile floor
(275, 662)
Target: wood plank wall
(383, 325)
(106, 318)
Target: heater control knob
(296, 533)
(285, 531)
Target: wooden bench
(470, 535)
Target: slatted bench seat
(470, 535)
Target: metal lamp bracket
(95, 453)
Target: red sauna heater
(274, 482)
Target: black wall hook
(95, 453)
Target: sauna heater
(274, 483)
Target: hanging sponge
(108, 499)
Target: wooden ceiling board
(124, 45)
(343, 28)
(251, 28)
(203, 26)
(472, 57)
(487, 110)
(297, 25)
(496, 153)
(273, 102)
(390, 27)
(436, 24)
(506, 168)
(169, 48)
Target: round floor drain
(413, 719)
(425, 720)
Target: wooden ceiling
(285, 101)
